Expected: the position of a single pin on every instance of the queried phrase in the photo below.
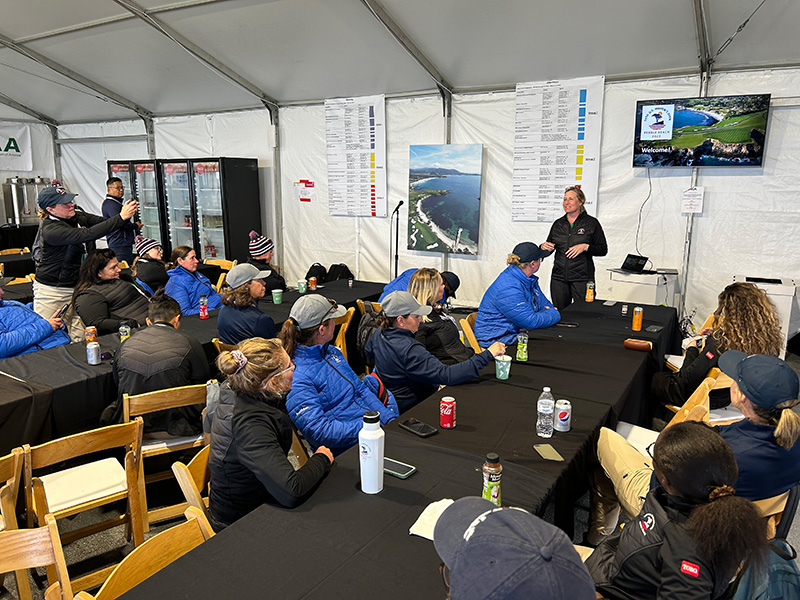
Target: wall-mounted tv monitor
(718, 131)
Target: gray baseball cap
(313, 310)
(241, 274)
(398, 304)
(507, 554)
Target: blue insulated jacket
(513, 302)
(328, 400)
(400, 283)
(411, 372)
(187, 287)
(23, 331)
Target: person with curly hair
(745, 320)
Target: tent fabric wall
(740, 205)
(42, 149)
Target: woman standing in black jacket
(251, 435)
(106, 299)
(438, 331)
(576, 238)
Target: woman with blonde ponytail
(251, 436)
(693, 533)
(765, 389)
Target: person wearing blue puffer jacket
(327, 401)
(23, 331)
(514, 301)
(186, 285)
(402, 281)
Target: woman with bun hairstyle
(186, 285)
(693, 533)
(251, 435)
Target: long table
(341, 543)
(55, 392)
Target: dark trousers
(565, 293)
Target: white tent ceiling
(104, 62)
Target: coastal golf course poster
(444, 198)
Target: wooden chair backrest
(467, 326)
(696, 408)
(299, 448)
(344, 323)
(193, 479)
(11, 471)
(222, 346)
(18, 280)
(775, 510)
(220, 282)
(709, 322)
(360, 304)
(142, 404)
(128, 435)
(721, 380)
(225, 265)
(156, 553)
(14, 251)
(376, 307)
(123, 264)
(28, 548)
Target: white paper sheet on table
(424, 525)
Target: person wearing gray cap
(403, 364)
(514, 301)
(328, 400)
(506, 554)
(239, 318)
(67, 235)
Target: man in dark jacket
(156, 358)
(120, 240)
(66, 232)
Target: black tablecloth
(21, 292)
(341, 543)
(17, 265)
(25, 416)
(18, 236)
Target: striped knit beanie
(259, 245)
(144, 245)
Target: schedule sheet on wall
(355, 131)
(556, 145)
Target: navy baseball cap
(507, 553)
(52, 195)
(528, 251)
(766, 381)
(451, 282)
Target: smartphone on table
(419, 428)
(398, 469)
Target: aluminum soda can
(312, 284)
(563, 420)
(624, 310)
(124, 332)
(93, 353)
(91, 334)
(447, 412)
(590, 291)
(350, 283)
(638, 316)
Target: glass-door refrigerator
(211, 204)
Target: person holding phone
(251, 435)
(120, 240)
(23, 331)
(67, 235)
(404, 365)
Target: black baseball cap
(52, 195)
(766, 381)
(528, 251)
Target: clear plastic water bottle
(545, 408)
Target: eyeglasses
(333, 307)
(117, 187)
(649, 449)
(288, 369)
(445, 573)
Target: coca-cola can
(563, 416)
(447, 412)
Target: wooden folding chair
(162, 443)
(299, 448)
(467, 326)
(123, 264)
(23, 549)
(343, 323)
(222, 346)
(696, 408)
(10, 476)
(709, 322)
(779, 511)
(193, 479)
(225, 265)
(361, 309)
(155, 554)
(89, 485)
(14, 251)
(18, 280)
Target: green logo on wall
(12, 145)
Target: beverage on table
(638, 317)
(203, 307)
(502, 366)
(124, 332)
(545, 407)
(590, 291)
(492, 471)
(563, 416)
(93, 353)
(447, 412)
(522, 346)
(370, 453)
(91, 334)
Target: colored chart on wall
(556, 145)
(355, 131)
